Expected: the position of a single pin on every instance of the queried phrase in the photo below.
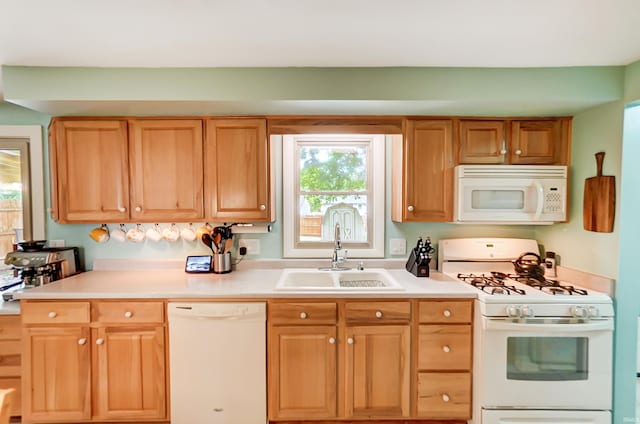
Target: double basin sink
(313, 279)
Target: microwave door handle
(540, 204)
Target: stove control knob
(526, 311)
(593, 312)
(513, 311)
(578, 311)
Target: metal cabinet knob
(138, 209)
(410, 208)
(378, 314)
(446, 349)
(446, 313)
(518, 152)
(445, 397)
(263, 207)
(52, 314)
(350, 340)
(99, 341)
(128, 314)
(303, 315)
(82, 341)
(332, 340)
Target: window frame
(32, 134)
(292, 247)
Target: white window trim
(289, 202)
(33, 136)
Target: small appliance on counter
(36, 265)
(419, 258)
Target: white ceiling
(335, 33)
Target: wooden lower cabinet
(56, 374)
(129, 373)
(82, 368)
(10, 358)
(377, 365)
(444, 395)
(302, 372)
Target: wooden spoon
(228, 245)
(206, 239)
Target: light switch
(398, 246)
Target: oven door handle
(501, 324)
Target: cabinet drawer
(302, 313)
(444, 347)
(10, 351)
(13, 383)
(450, 311)
(10, 327)
(55, 312)
(444, 395)
(377, 312)
(128, 312)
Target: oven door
(547, 363)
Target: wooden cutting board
(599, 200)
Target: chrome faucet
(336, 259)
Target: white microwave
(510, 194)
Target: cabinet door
(89, 173)
(425, 159)
(537, 142)
(56, 374)
(377, 365)
(481, 142)
(238, 175)
(166, 161)
(129, 378)
(302, 372)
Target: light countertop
(249, 283)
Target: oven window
(497, 199)
(547, 358)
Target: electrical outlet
(56, 243)
(252, 245)
(398, 246)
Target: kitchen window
(21, 186)
(328, 180)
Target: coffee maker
(35, 267)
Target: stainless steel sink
(311, 279)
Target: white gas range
(542, 347)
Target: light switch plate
(56, 243)
(398, 246)
(252, 245)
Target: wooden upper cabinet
(238, 177)
(539, 142)
(89, 173)
(482, 142)
(422, 179)
(166, 167)
(514, 141)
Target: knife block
(413, 266)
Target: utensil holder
(417, 268)
(222, 263)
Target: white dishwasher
(217, 363)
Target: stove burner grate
(548, 286)
(490, 284)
